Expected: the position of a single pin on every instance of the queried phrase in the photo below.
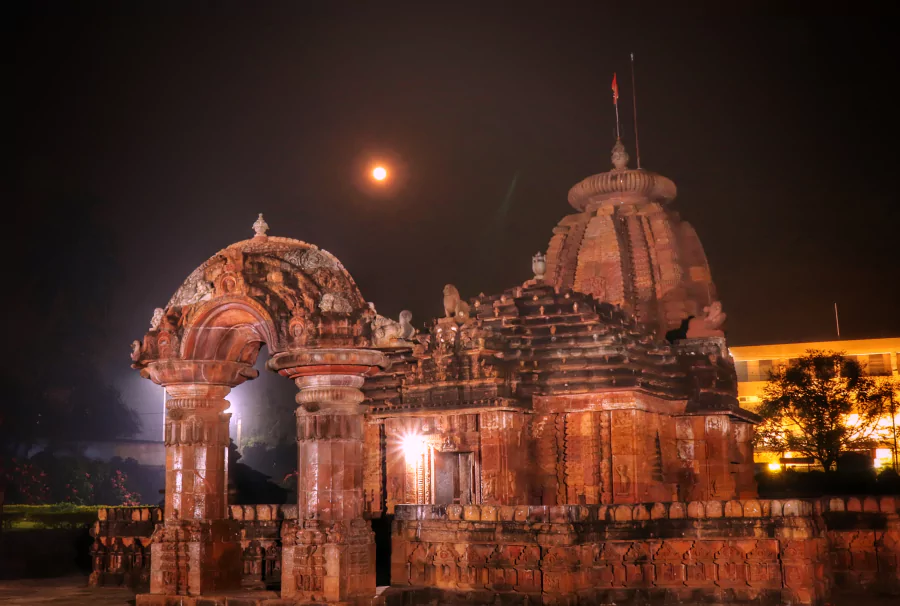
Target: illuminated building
(878, 358)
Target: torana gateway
(576, 439)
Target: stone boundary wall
(120, 554)
(863, 542)
(771, 551)
(738, 550)
(261, 542)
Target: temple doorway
(454, 474)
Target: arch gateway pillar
(328, 553)
(196, 549)
(301, 303)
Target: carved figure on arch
(388, 333)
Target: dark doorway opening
(382, 529)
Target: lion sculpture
(454, 306)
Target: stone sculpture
(454, 306)
(709, 324)
(538, 265)
(260, 227)
(388, 333)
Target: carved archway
(301, 303)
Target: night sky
(145, 142)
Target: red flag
(615, 90)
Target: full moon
(379, 173)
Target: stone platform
(753, 550)
(747, 551)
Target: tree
(54, 390)
(820, 406)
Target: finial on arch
(620, 157)
(260, 227)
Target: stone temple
(575, 439)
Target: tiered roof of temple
(617, 275)
(537, 340)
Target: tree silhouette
(54, 391)
(820, 406)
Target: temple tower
(626, 246)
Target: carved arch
(281, 292)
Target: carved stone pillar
(329, 553)
(196, 550)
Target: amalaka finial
(619, 155)
(260, 227)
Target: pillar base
(330, 562)
(195, 557)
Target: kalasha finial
(619, 155)
(538, 265)
(260, 227)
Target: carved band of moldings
(638, 182)
(193, 430)
(325, 426)
(330, 391)
(330, 397)
(217, 404)
(292, 363)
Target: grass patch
(56, 516)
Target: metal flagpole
(617, 121)
(615, 90)
(837, 322)
(637, 146)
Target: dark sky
(167, 132)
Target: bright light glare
(413, 446)
(776, 467)
(379, 173)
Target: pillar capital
(335, 361)
(174, 372)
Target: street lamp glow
(379, 173)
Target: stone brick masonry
(759, 551)
(771, 551)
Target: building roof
(782, 351)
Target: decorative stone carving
(260, 227)
(314, 259)
(538, 265)
(194, 290)
(454, 306)
(335, 303)
(301, 329)
(155, 321)
(709, 324)
(620, 157)
(388, 333)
